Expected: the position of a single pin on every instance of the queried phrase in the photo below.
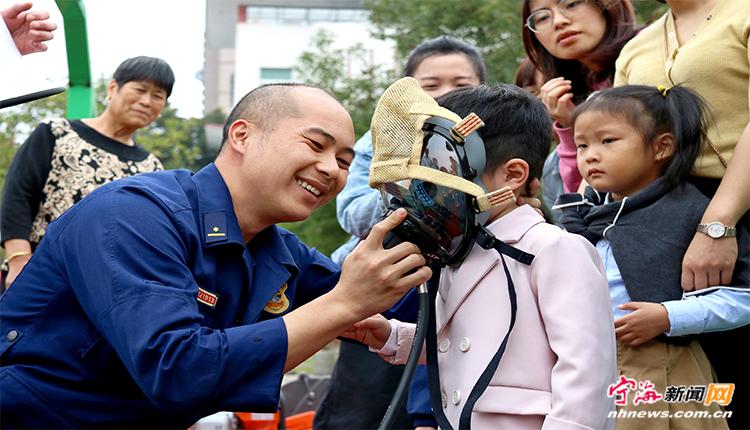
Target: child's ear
(664, 146)
(516, 173)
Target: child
(559, 359)
(636, 145)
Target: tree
(17, 122)
(494, 26)
(322, 66)
(178, 142)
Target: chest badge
(279, 302)
(207, 298)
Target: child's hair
(620, 28)
(516, 124)
(444, 45)
(653, 111)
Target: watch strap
(728, 231)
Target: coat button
(12, 335)
(465, 344)
(444, 400)
(456, 397)
(444, 346)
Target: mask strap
(466, 126)
(486, 240)
(502, 197)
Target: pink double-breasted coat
(560, 358)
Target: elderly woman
(64, 160)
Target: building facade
(253, 42)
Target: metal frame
(81, 97)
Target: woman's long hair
(620, 28)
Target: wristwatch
(717, 230)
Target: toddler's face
(612, 156)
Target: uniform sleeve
(359, 207)
(318, 276)
(127, 258)
(574, 305)
(24, 183)
(418, 402)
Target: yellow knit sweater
(715, 63)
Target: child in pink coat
(560, 357)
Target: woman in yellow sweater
(703, 45)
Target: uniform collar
(511, 227)
(219, 225)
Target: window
(272, 75)
(296, 15)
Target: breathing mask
(429, 161)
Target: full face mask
(429, 161)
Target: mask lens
(441, 213)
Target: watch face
(715, 230)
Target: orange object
(303, 421)
(268, 421)
(259, 421)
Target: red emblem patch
(207, 298)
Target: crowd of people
(140, 297)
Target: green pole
(81, 100)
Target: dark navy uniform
(143, 307)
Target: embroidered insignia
(207, 298)
(279, 302)
(215, 227)
(216, 233)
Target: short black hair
(265, 104)
(653, 111)
(516, 124)
(143, 68)
(445, 45)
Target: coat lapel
(458, 282)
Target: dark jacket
(649, 233)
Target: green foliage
(494, 26)
(648, 10)
(323, 66)
(178, 142)
(17, 122)
(321, 230)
